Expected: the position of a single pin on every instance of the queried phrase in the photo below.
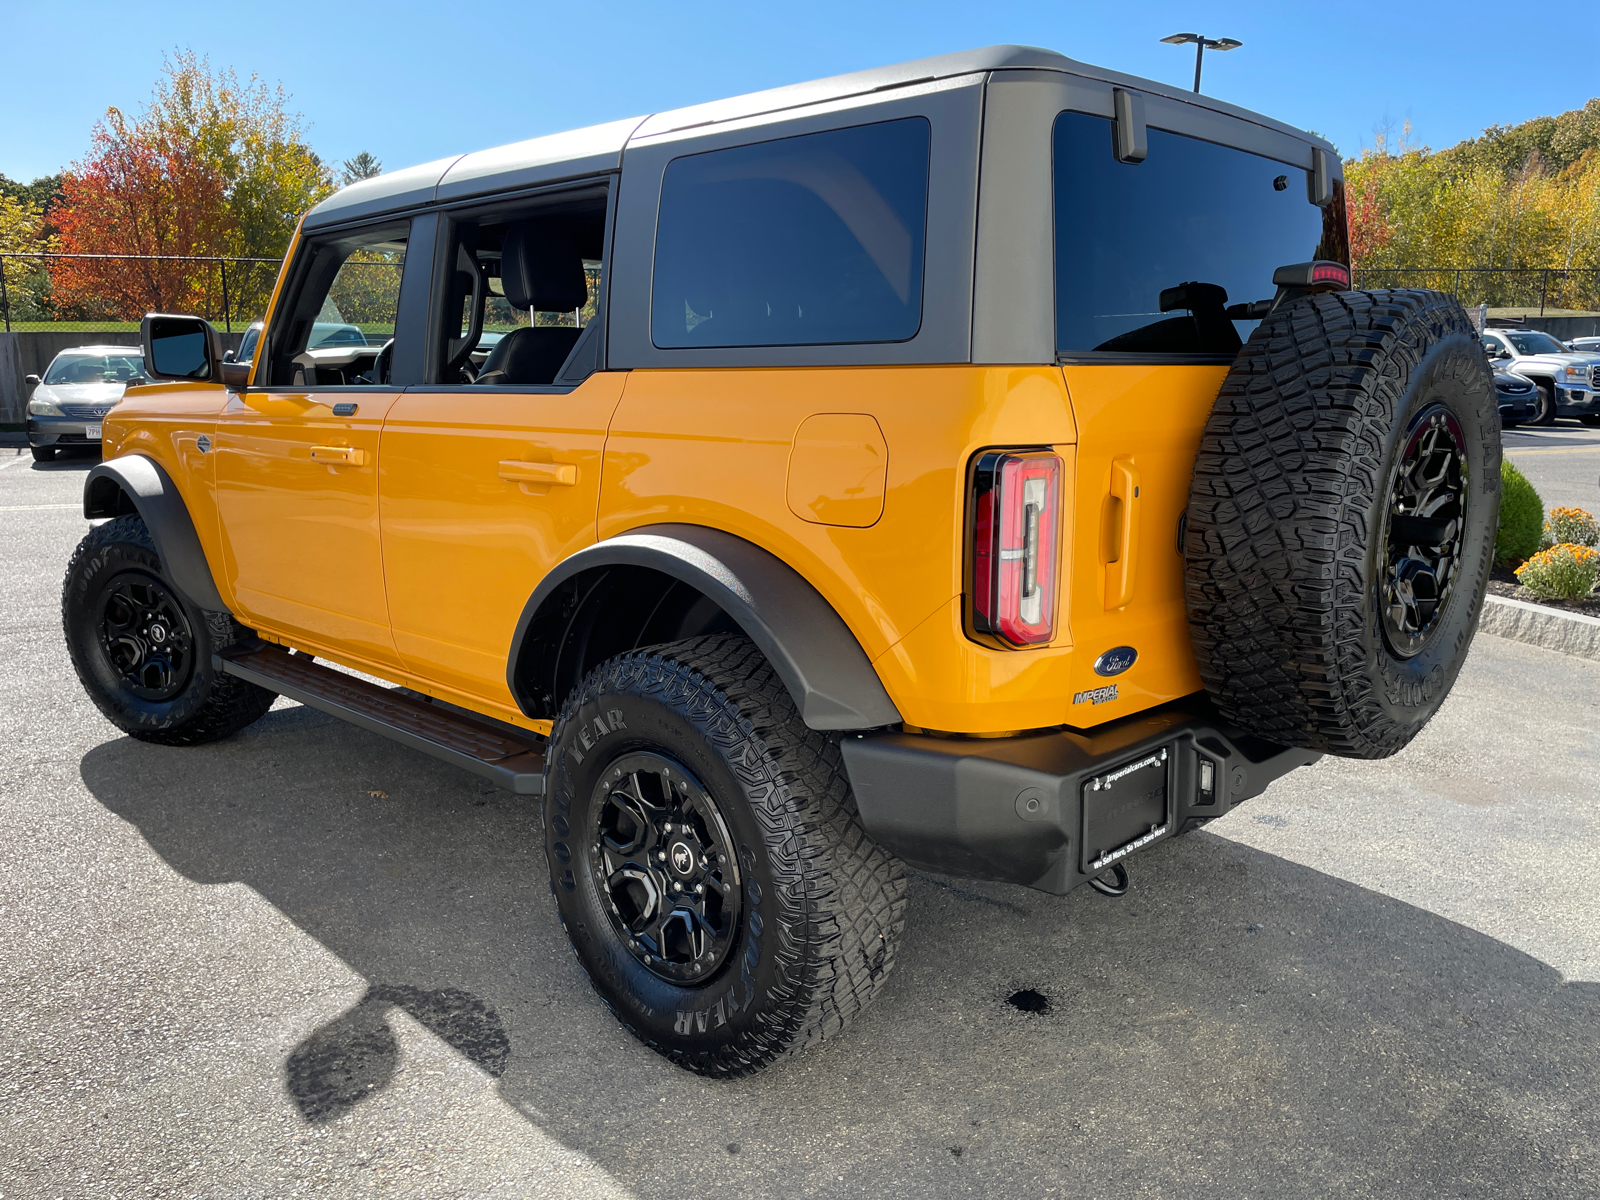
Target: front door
(297, 454)
(491, 475)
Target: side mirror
(227, 356)
(236, 376)
(181, 348)
(31, 380)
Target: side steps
(515, 763)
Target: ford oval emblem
(1115, 661)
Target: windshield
(1535, 343)
(1150, 255)
(95, 368)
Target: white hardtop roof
(598, 148)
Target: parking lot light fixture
(1201, 45)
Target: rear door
(297, 456)
(491, 472)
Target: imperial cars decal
(1099, 695)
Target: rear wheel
(142, 652)
(1342, 520)
(707, 859)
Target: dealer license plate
(1125, 809)
(92, 432)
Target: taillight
(1016, 530)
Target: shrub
(1521, 517)
(1564, 572)
(1571, 526)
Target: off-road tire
(43, 453)
(822, 905)
(208, 705)
(1545, 412)
(1288, 524)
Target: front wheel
(142, 652)
(707, 859)
(1545, 406)
(43, 453)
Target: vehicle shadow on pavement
(1237, 1025)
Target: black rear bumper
(1038, 809)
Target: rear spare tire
(1341, 520)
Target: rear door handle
(1119, 572)
(348, 456)
(514, 470)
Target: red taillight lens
(1016, 529)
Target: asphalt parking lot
(308, 962)
(1562, 461)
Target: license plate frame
(1126, 808)
(92, 433)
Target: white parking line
(34, 507)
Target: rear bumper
(1027, 809)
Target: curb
(1567, 633)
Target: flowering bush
(1564, 572)
(1572, 526)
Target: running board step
(514, 763)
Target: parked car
(79, 387)
(854, 531)
(323, 333)
(1585, 345)
(247, 345)
(1568, 382)
(1519, 398)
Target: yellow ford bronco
(981, 464)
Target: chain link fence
(1523, 292)
(50, 292)
(110, 292)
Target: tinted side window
(1210, 220)
(809, 240)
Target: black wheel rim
(145, 636)
(664, 866)
(1427, 510)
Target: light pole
(1201, 45)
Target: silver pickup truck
(1568, 382)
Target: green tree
(362, 166)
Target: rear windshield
(95, 368)
(805, 240)
(1204, 223)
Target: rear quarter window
(809, 240)
(1192, 212)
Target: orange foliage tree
(210, 168)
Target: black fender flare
(832, 680)
(138, 483)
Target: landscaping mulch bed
(1503, 582)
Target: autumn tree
(1519, 200)
(211, 167)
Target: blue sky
(411, 82)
